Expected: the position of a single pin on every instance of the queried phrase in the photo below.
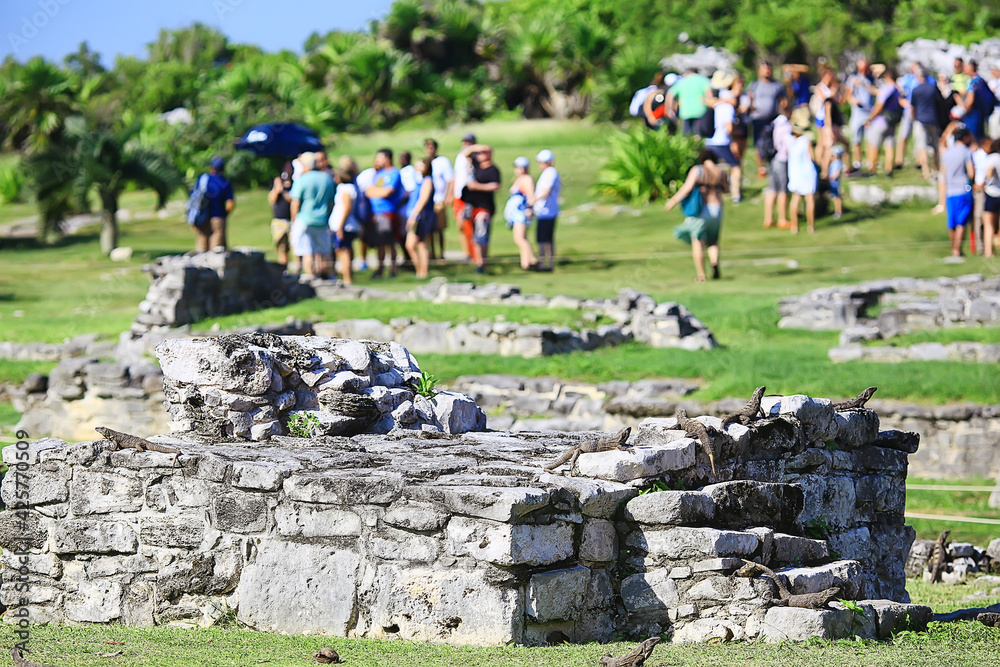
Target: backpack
(635, 106)
(199, 205)
(765, 143)
(985, 99)
(691, 204)
(895, 115)
(362, 207)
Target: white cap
(545, 156)
(671, 79)
(522, 162)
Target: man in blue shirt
(979, 101)
(906, 84)
(385, 195)
(312, 196)
(925, 100)
(221, 203)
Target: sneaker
(837, 216)
(480, 269)
(715, 272)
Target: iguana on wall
(120, 440)
(787, 599)
(617, 441)
(857, 402)
(939, 557)
(697, 429)
(637, 658)
(749, 413)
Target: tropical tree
(34, 104)
(102, 160)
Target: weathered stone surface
(797, 624)
(310, 520)
(649, 592)
(845, 574)
(816, 414)
(706, 630)
(672, 508)
(314, 594)
(172, 531)
(257, 476)
(457, 413)
(597, 498)
(499, 504)
(795, 549)
(599, 541)
(891, 617)
(744, 503)
(504, 544)
(421, 517)
(557, 594)
(638, 462)
(242, 513)
(378, 489)
(693, 542)
(85, 536)
(95, 602)
(103, 493)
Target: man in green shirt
(312, 194)
(689, 93)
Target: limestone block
(599, 541)
(185, 531)
(240, 513)
(598, 498)
(504, 544)
(266, 430)
(649, 592)
(797, 624)
(86, 536)
(458, 413)
(638, 462)
(714, 565)
(257, 476)
(402, 360)
(422, 517)
(23, 529)
(47, 565)
(799, 550)
(425, 337)
(883, 494)
(204, 362)
(993, 550)
(344, 489)
(114, 566)
(709, 630)
(557, 594)
(487, 502)
(355, 353)
(180, 492)
(453, 605)
(302, 599)
(393, 544)
(827, 498)
(679, 543)
(44, 483)
(766, 537)
(671, 508)
(891, 617)
(600, 592)
(190, 573)
(95, 602)
(104, 493)
(816, 414)
(743, 503)
(711, 589)
(12, 455)
(846, 574)
(856, 428)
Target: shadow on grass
(32, 243)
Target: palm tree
(103, 160)
(34, 104)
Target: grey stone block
(504, 544)
(557, 594)
(671, 508)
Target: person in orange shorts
(479, 196)
(463, 172)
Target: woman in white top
(344, 226)
(991, 209)
(524, 185)
(421, 220)
(545, 203)
(802, 177)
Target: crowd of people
(321, 213)
(802, 135)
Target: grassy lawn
(48, 294)
(953, 503)
(962, 643)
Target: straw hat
(878, 69)
(801, 120)
(722, 79)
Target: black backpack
(765, 143)
(362, 208)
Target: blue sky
(53, 28)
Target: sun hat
(722, 79)
(801, 120)
(217, 164)
(522, 162)
(470, 138)
(545, 156)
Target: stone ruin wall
(465, 538)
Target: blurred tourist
(222, 201)
(518, 212)
(777, 190)
(958, 172)
(925, 101)
(767, 99)
(886, 113)
(479, 195)
(991, 209)
(463, 170)
(281, 212)
(802, 176)
(443, 176)
(545, 204)
(420, 218)
(861, 92)
(705, 183)
(344, 223)
(385, 194)
(689, 93)
(312, 195)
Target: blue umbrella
(279, 140)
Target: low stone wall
(977, 353)
(466, 539)
(873, 195)
(959, 441)
(192, 287)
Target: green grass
(953, 503)
(70, 289)
(8, 416)
(17, 371)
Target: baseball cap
(217, 164)
(671, 79)
(471, 138)
(522, 162)
(545, 156)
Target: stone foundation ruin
(453, 537)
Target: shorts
(458, 206)
(856, 126)
(959, 209)
(481, 221)
(690, 126)
(725, 154)
(315, 240)
(704, 229)
(296, 235)
(545, 232)
(992, 205)
(426, 224)
(279, 231)
(926, 136)
(442, 217)
(382, 229)
(758, 125)
(905, 127)
(779, 176)
(835, 188)
(345, 244)
(881, 134)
